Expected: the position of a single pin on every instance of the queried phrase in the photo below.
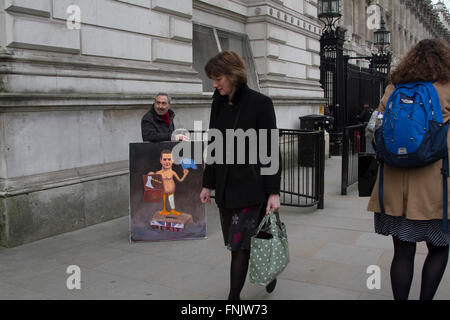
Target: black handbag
(367, 173)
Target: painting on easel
(164, 194)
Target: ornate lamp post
(332, 68)
(330, 11)
(333, 65)
(382, 39)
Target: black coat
(365, 114)
(241, 185)
(154, 128)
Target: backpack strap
(445, 174)
(435, 103)
(380, 188)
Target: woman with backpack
(412, 203)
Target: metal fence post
(345, 156)
(321, 169)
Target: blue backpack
(413, 133)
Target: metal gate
(303, 166)
(332, 81)
(353, 143)
(362, 85)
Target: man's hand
(273, 203)
(205, 196)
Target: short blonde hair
(227, 63)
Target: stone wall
(71, 100)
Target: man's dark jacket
(365, 114)
(242, 185)
(154, 128)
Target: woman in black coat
(242, 193)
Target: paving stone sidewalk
(330, 250)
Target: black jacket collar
(237, 94)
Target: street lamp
(330, 11)
(382, 37)
(380, 62)
(329, 8)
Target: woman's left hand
(273, 203)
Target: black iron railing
(353, 143)
(303, 165)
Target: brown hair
(429, 60)
(227, 63)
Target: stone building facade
(409, 21)
(72, 96)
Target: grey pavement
(330, 251)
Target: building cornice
(92, 64)
(38, 102)
(34, 102)
(284, 17)
(38, 182)
(425, 13)
(208, 8)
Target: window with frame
(208, 41)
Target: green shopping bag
(269, 256)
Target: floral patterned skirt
(239, 225)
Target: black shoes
(271, 286)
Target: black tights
(238, 272)
(402, 269)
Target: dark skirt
(429, 231)
(239, 225)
